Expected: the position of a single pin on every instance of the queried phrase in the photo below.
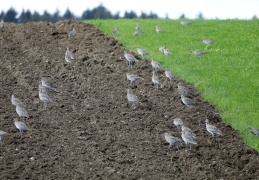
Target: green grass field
(227, 77)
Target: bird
(142, 52)
(169, 75)
(132, 98)
(72, 33)
(198, 53)
(69, 56)
(130, 58)
(47, 85)
(138, 33)
(212, 129)
(161, 49)
(185, 23)
(22, 113)
(188, 139)
(172, 140)
(1, 134)
(187, 101)
(21, 126)
(45, 99)
(207, 41)
(133, 78)
(114, 31)
(155, 79)
(2, 24)
(254, 131)
(158, 29)
(156, 65)
(178, 123)
(138, 28)
(183, 90)
(167, 51)
(188, 131)
(16, 101)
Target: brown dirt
(90, 131)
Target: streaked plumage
(22, 113)
(130, 58)
(72, 33)
(69, 56)
(207, 41)
(161, 49)
(21, 126)
(169, 75)
(198, 53)
(183, 90)
(45, 99)
(1, 134)
(185, 23)
(133, 78)
(142, 52)
(167, 51)
(172, 140)
(132, 98)
(48, 85)
(137, 33)
(178, 123)
(188, 139)
(114, 31)
(254, 131)
(188, 131)
(155, 79)
(158, 29)
(187, 101)
(212, 129)
(16, 101)
(156, 65)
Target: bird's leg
(21, 133)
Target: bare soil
(90, 132)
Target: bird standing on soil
(158, 29)
(212, 129)
(132, 99)
(188, 139)
(198, 53)
(254, 131)
(142, 52)
(22, 113)
(133, 78)
(115, 32)
(1, 134)
(155, 80)
(21, 126)
(188, 131)
(45, 99)
(183, 90)
(156, 65)
(72, 33)
(187, 101)
(69, 56)
(172, 140)
(47, 85)
(178, 123)
(169, 75)
(16, 101)
(130, 58)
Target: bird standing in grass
(137, 28)
(254, 131)
(130, 58)
(185, 23)
(1, 134)
(142, 52)
(21, 126)
(158, 29)
(207, 42)
(115, 32)
(172, 140)
(198, 53)
(132, 99)
(212, 129)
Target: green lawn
(228, 76)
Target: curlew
(213, 130)
(172, 140)
(130, 58)
(21, 126)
